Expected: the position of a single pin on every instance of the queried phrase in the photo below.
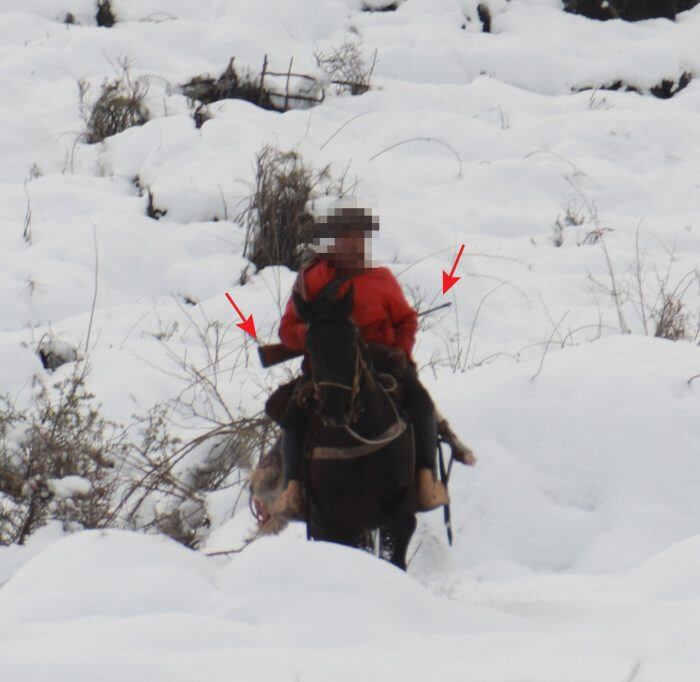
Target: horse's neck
(377, 415)
(376, 409)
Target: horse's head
(332, 344)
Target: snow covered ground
(577, 549)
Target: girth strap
(362, 449)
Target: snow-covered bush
(61, 460)
(56, 461)
(629, 10)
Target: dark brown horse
(360, 466)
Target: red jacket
(380, 310)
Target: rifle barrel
(436, 308)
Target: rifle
(274, 353)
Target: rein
(397, 430)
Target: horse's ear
(304, 308)
(345, 303)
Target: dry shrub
(105, 16)
(661, 301)
(665, 89)
(670, 313)
(233, 450)
(346, 68)
(152, 211)
(229, 85)
(573, 217)
(668, 88)
(278, 224)
(201, 115)
(484, 14)
(374, 7)
(120, 105)
(218, 458)
(671, 319)
(629, 10)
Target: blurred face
(348, 249)
(344, 235)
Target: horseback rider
(383, 316)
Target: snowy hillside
(566, 360)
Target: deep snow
(578, 533)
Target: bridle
(354, 389)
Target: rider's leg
(290, 502)
(425, 434)
(430, 493)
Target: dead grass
(119, 106)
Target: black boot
(425, 432)
(430, 493)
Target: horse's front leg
(323, 527)
(398, 536)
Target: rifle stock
(274, 353)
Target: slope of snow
(576, 547)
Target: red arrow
(248, 325)
(448, 281)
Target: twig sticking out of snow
(423, 139)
